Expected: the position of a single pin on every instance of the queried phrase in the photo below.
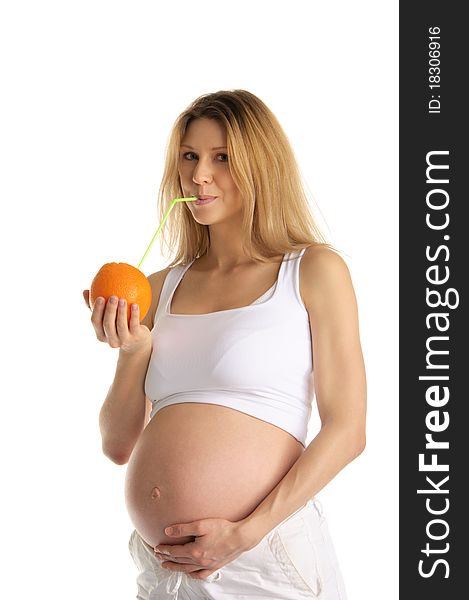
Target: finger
(97, 318)
(109, 322)
(171, 566)
(196, 528)
(86, 296)
(202, 574)
(184, 560)
(176, 551)
(134, 322)
(121, 321)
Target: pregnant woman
(213, 388)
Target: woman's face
(204, 171)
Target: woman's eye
(192, 156)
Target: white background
(90, 92)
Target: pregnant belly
(195, 461)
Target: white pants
(295, 560)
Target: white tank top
(256, 359)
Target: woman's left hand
(218, 542)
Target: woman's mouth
(201, 200)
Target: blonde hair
(276, 218)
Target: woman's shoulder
(324, 275)
(156, 281)
(322, 256)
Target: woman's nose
(202, 173)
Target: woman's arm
(340, 386)
(123, 414)
(126, 409)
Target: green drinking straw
(163, 222)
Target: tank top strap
(288, 282)
(170, 284)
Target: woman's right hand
(109, 320)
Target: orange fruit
(124, 281)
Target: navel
(155, 493)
